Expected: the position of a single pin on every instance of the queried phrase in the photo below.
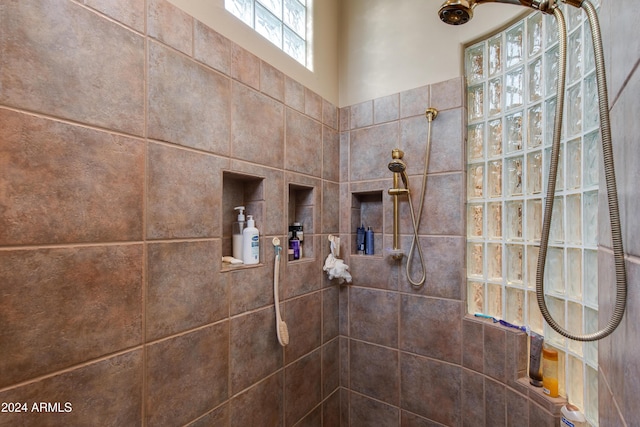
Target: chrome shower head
(458, 12)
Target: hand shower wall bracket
(431, 114)
(398, 167)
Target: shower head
(458, 12)
(397, 166)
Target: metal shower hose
(612, 193)
(416, 224)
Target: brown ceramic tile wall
(409, 356)
(118, 121)
(62, 180)
(618, 361)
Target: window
(283, 22)
(511, 98)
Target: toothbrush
(503, 322)
(281, 327)
(484, 316)
(511, 325)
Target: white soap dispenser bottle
(236, 233)
(250, 243)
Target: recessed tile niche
(301, 208)
(367, 211)
(241, 190)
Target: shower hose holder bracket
(431, 113)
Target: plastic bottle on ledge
(294, 247)
(368, 242)
(550, 372)
(250, 243)
(572, 417)
(236, 233)
(360, 240)
(297, 229)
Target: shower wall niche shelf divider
(367, 209)
(239, 189)
(301, 208)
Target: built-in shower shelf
(367, 210)
(239, 189)
(301, 209)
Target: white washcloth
(335, 267)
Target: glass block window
(511, 98)
(283, 22)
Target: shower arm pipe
(541, 5)
(612, 193)
(546, 6)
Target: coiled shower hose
(431, 114)
(612, 192)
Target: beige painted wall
(323, 79)
(364, 49)
(391, 46)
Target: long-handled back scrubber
(281, 326)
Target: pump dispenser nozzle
(241, 213)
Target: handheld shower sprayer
(398, 166)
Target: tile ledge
(490, 322)
(552, 402)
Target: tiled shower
(410, 357)
(129, 130)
